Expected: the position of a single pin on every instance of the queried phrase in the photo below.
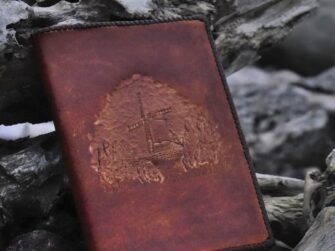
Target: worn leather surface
(154, 153)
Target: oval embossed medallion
(146, 131)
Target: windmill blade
(135, 125)
(159, 112)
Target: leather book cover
(154, 151)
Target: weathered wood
(32, 174)
(280, 246)
(286, 217)
(321, 234)
(241, 28)
(311, 185)
(320, 189)
(319, 210)
(279, 186)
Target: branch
(279, 186)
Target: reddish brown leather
(189, 199)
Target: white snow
(17, 131)
(136, 5)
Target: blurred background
(286, 101)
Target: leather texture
(155, 153)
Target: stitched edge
(270, 240)
(79, 26)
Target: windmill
(157, 150)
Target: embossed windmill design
(158, 148)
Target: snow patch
(136, 5)
(23, 130)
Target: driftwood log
(320, 236)
(319, 211)
(36, 205)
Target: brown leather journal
(155, 154)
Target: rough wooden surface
(279, 186)
(286, 217)
(320, 236)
